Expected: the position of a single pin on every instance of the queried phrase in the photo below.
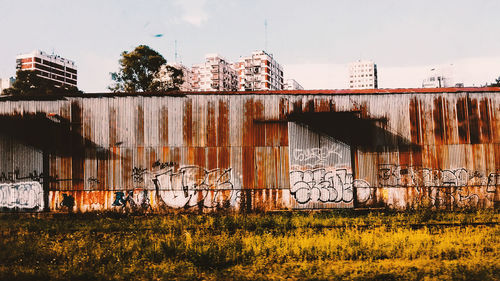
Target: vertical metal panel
(439, 149)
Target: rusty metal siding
(401, 150)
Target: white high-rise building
(291, 84)
(363, 75)
(6, 83)
(259, 72)
(215, 74)
(54, 68)
(439, 77)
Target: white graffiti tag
(320, 185)
(26, 196)
(318, 155)
(195, 186)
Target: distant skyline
(314, 42)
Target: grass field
(348, 245)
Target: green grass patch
(344, 245)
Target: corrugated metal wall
(267, 151)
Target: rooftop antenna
(265, 33)
(176, 55)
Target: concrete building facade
(6, 83)
(215, 74)
(291, 84)
(54, 68)
(439, 77)
(259, 72)
(363, 75)
(165, 77)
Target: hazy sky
(313, 40)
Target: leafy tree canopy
(29, 83)
(140, 71)
(496, 83)
(173, 77)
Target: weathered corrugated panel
(423, 149)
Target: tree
(172, 77)
(140, 72)
(496, 84)
(29, 83)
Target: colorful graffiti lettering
(140, 203)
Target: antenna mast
(265, 33)
(176, 56)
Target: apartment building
(6, 83)
(54, 68)
(259, 72)
(291, 84)
(215, 74)
(363, 75)
(165, 76)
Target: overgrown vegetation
(29, 83)
(274, 246)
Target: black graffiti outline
(11, 196)
(327, 184)
(393, 175)
(195, 194)
(138, 174)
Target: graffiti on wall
(68, 201)
(318, 155)
(23, 195)
(184, 187)
(391, 175)
(327, 186)
(138, 174)
(441, 187)
(15, 176)
(139, 202)
(92, 181)
(191, 186)
(12, 177)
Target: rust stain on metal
(259, 130)
(223, 124)
(462, 119)
(139, 128)
(439, 130)
(188, 123)
(248, 123)
(77, 158)
(438, 148)
(474, 127)
(415, 130)
(211, 125)
(309, 105)
(485, 121)
(163, 125)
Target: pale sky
(313, 40)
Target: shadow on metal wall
(365, 133)
(52, 134)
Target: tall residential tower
(215, 74)
(363, 75)
(259, 72)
